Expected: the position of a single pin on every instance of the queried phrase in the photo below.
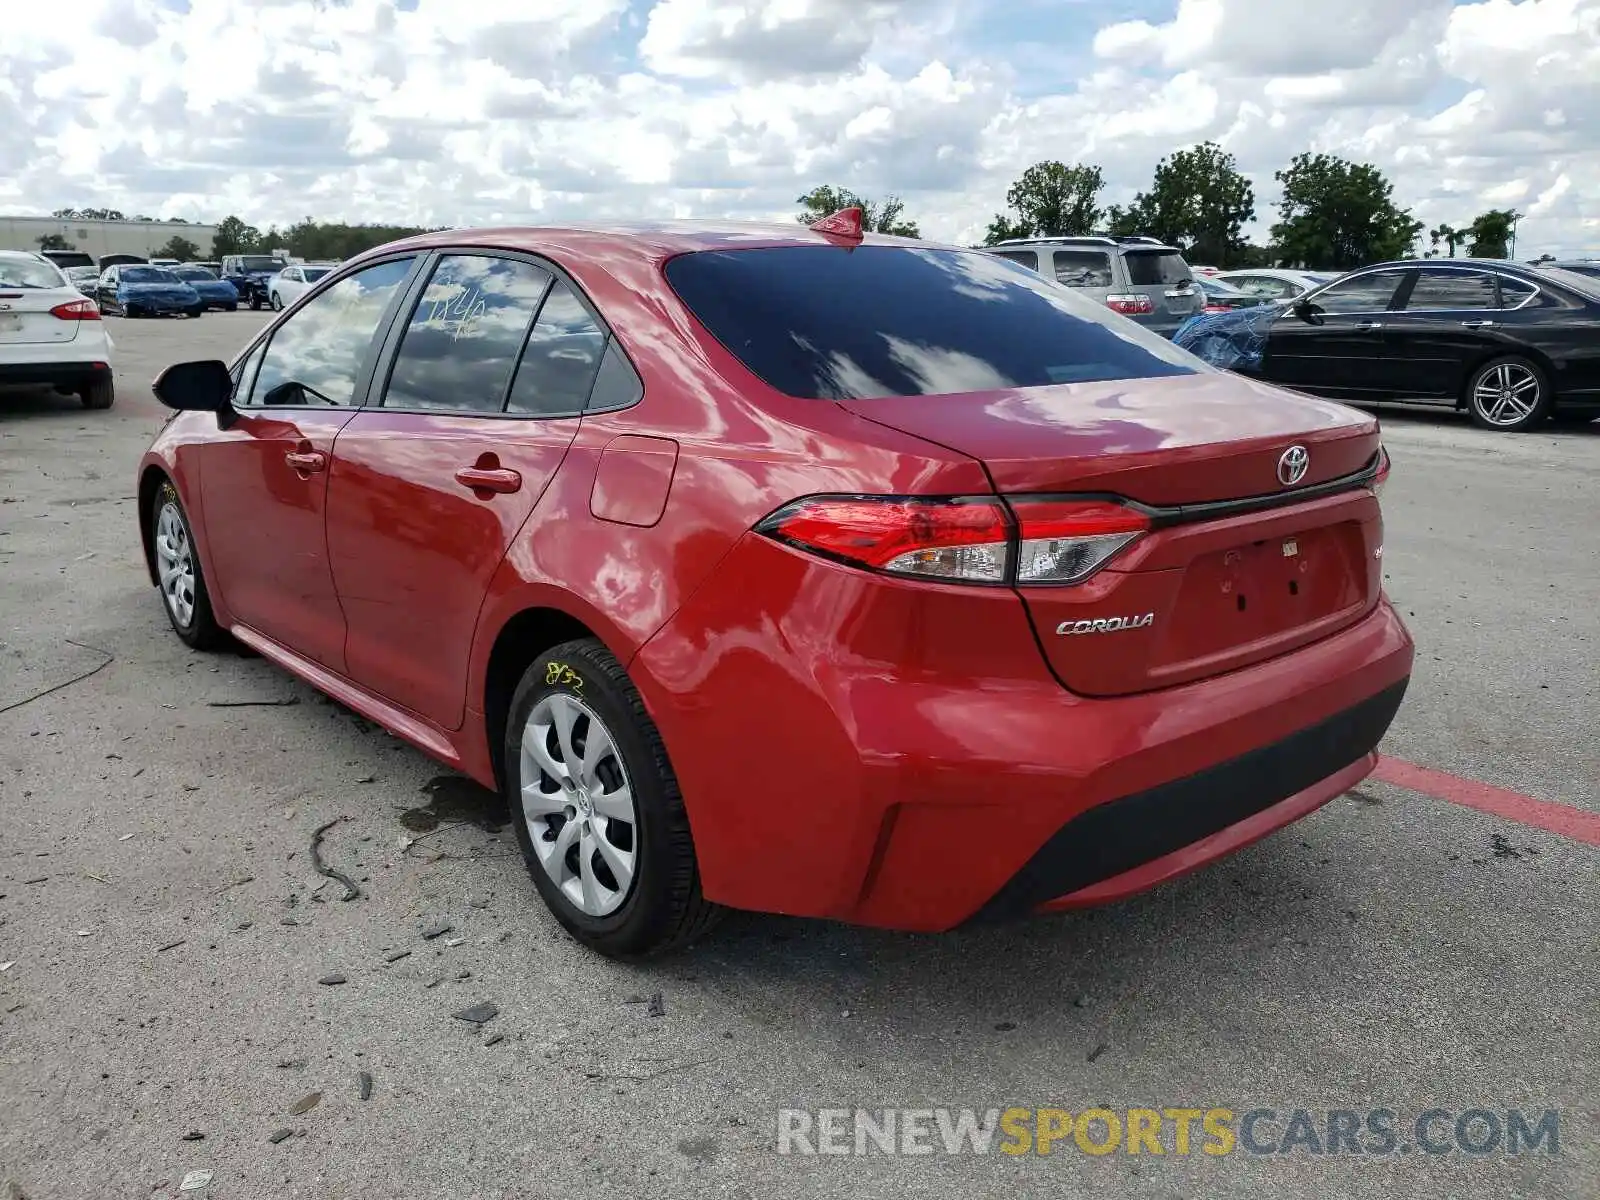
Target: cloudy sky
(471, 111)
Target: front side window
(317, 355)
(1369, 293)
(462, 342)
(1083, 268)
(825, 322)
(563, 353)
(1452, 290)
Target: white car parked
(294, 281)
(50, 332)
(1276, 284)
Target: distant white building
(143, 238)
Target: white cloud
(446, 112)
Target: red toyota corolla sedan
(789, 569)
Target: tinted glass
(1514, 291)
(316, 355)
(1364, 293)
(1263, 285)
(1148, 268)
(616, 384)
(1026, 257)
(563, 353)
(1083, 268)
(462, 342)
(312, 274)
(258, 263)
(1453, 289)
(194, 274)
(834, 323)
(148, 275)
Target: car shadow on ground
(1448, 418)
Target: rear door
(1164, 278)
(1450, 322)
(488, 380)
(1335, 345)
(264, 478)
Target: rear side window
(1083, 268)
(1026, 257)
(1452, 290)
(1149, 268)
(835, 323)
(463, 340)
(559, 364)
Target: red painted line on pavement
(1576, 823)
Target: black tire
(255, 302)
(664, 908)
(99, 393)
(1518, 370)
(1574, 418)
(233, 308)
(196, 313)
(200, 631)
(277, 302)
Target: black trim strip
(1122, 834)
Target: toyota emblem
(1293, 464)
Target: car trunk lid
(1236, 566)
(25, 317)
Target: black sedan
(1512, 344)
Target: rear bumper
(74, 374)
(848, 748)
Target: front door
(1334, 342)
(431, 484)
(264, 478)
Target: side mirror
(202, 386)
(1308, 312)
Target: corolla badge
(1293, 464)
(1105, 625)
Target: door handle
(1368, 326)
(489, 479)
(1477, 324)
(306, 460)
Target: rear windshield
(259, 264)
(1147, 268)
(313, 274)
(68, 258)
(148, 275)
(836, 323)
(194, 274)
(29, 273)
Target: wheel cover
(175, 563)
(1506, 393)
(578, 804)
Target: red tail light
(76, 310)
(1134, 304)
(963, 540)
(1382, 477)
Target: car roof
(642, 239)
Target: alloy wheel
(578, 804)
(1506, 394)
(175, 555)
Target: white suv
(1139, 277)
(50, 332)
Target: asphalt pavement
(179, 985)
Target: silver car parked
(1139, 277)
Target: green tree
(1198, 202)
(90, 214)
(1492, 233)
(334, 240)
(235, 237)
(1339, 214)
(1449, 235)
(877, 216)
(1051, 199)
(180, 248)
(54, 241)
